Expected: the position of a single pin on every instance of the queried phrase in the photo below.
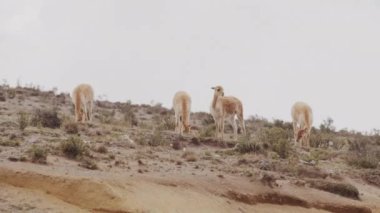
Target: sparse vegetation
(22, 120)
(71, 128)
(10, 143)
(88, 163)
(189, 156)
(73, 147)
(102, 149)
(363, 154)
(38, 154)
(46, 118)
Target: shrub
(156, 139)
(363, 154)
(342, 189)
(129, 115)
(102, 149)
(10, 143)
(22, 120)
(11, 93)
(107, 116)
(164, 122)
(46, 118)
(38, 154)
(276, 139)
(88, 164)
(71, 128)
(208, 131)
(73, 147)
(189, 156)
(2, 97)
(247, 145)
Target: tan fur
(182, 108)
(302, 116)
(223, 107)
(83, 98)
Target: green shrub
(275, 139)
(208, 131)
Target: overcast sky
(268, 53)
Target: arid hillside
(129, 159)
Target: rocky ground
(128, 159)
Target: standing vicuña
(302, 115)
(182, 107)
(83, 98)
(226, 107)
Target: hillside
(128, 159)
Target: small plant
(46, 118)
(38, 154)
(2, 97)
(11, 93)
(102, 149)
(247, 145)
(73, 147)
(22, 120)
(71, 128)
(88, 164)
(190, 156)
(129, 115)
(156, 139)
(208, 131)
(106, 116)
(164, 122)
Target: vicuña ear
(213, 88)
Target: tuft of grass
(130, 117)
(164, 122)
(342, 189)
(71, 128)
(22, 120)
(38, 154)
(46, 118)
(73, 147)
(2, 97)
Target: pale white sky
(268, 53)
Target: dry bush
(73, 147)
(342, 189)
(46, 118)
(208, 131)
(190, 156)
(88, 163)
(2, 97)
(11, 93)
(372, 177)
(38, 154)
(102, 149)
(164, 122)
(106, 116)
(10, 143)
(248, 145)
(275, 139)
(363, 153)
(71, 128)
(154, 139)
(22, 120)
(129, 115)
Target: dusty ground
(132, 177)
